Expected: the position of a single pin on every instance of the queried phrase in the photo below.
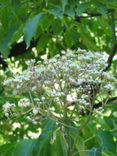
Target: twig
(101, 102)
(111, 56)
(114, 47)
(91, 15)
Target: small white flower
(73, 82)
(43, 98)
(83, 102)
(34, 88)
(72, 76)
(108, 76)
(109, 87)
(71, 99)
(36, 99)
(24, 102)
(63, 52)
(30, 62)
(35, 111)
(7, 107)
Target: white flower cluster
(24, 102)
(7, 107)
(78, 75)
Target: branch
(91, 15)
(111, 56)
(98, 105)
(114, 48)
(107, 101)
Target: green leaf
(17, 34)
(115, 63)
(5, 42)
(46, 22)
(22, 148)
(107, 142)
(109, 122)
(53, 49)
(102, 9)
(69, 10)
(48, 125)
(71, 37)
(94, 152)
(9, 23)
(42, 147)
(57, 107)
(64, 3)
(31, 28)
(57, 27)
(42, 43)
(56, 11)
(59, 146)
(82, 8)
(7, 149)
(80, 146)
(87, 40)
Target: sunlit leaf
(31, 28)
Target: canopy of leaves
(57, 25)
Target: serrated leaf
(31, 28)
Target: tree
(41, 30)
